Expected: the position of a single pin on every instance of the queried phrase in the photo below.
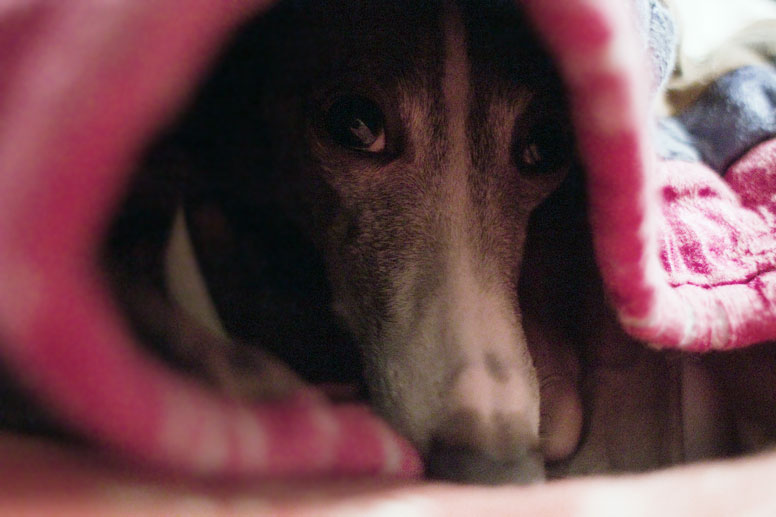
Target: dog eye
(541, 144)
(358, 123)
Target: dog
(357, 182)
(388, 195)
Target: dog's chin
(464, 465)
(557, 368)
(561, 420)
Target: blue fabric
(660, 38)
(674, 142)
(734, 114)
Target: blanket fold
(688, 257)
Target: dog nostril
(467, 465)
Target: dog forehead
(330, 42)
(399, 43)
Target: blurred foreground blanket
(687, 254)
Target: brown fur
(402, 264)
(437, 272)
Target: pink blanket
(687, 257)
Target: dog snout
(470, 449)
(490, 434)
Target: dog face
(408, 142)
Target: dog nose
(463, 464)
(488, 432)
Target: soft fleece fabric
(687, 256)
